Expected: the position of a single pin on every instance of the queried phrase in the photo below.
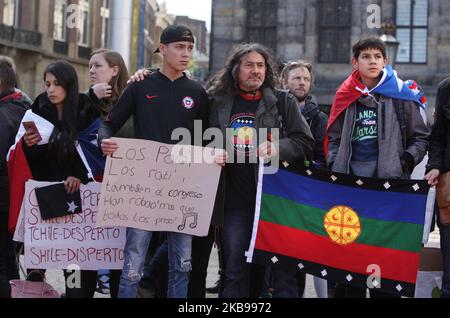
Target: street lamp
(387, 36)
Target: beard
(252, 84)
(301, 98)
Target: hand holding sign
(158, 187)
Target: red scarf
(346, 95)
(13, 96)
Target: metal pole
(121, 27)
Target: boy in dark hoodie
(13, 105)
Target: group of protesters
(370, 133)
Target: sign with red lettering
(72, 241)
(158, 187)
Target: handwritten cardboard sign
(72, 240)
(147, 187)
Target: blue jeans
(237, 233)
(445, 250)
(136, 247)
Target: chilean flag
(89, 152)
(19, 171)
(390, 86)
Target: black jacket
(439, 149)
(13, 106)
(317, 121)
(43, 160)
(159, 106)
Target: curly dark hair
(226, 80)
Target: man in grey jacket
(244, 100)
(365, 131)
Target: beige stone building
(36, 33)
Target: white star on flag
(72, 207)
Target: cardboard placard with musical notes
(158, 187)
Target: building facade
(163, 20)
(323, 31)
(36, 33)
(200, 65)
(198, 28)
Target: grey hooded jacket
(391, 151)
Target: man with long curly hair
(244, 100)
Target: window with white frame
(105, 22)
(412, 31)
(59, 20)
(84, 23)
(9, 12)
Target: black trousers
(201, 252)
(89, 284)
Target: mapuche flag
(341, 228)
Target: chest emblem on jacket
(188, 102)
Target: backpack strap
(282, 116)
(399, 107)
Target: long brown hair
(118, 82)
(226, 80)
